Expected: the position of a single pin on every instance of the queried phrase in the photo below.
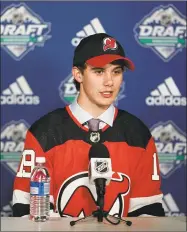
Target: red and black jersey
(135, 185)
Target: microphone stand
(100, 189)
(100, 213)
(103, 214)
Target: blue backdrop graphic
(37, 44)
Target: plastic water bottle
(40, 192)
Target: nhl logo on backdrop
(67, 90)
(95, 137)
(13, 136)
(163, 30)
(101, 166)
(171, 146)
(109, 43)
(22, 30)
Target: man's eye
(98, 71)
(119, 71)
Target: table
(91, 224)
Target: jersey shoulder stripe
(46, 128)
(136, 132)
(57, 127)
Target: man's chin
(105, 103)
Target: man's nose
(108, 79)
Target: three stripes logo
(170, 206)
(94, 27)
(6, 211)
(166, 94)
(19, 93)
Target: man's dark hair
(83, 67)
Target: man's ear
(77, 74)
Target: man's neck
(90, 107)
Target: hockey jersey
(135, 185)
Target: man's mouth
(106, 94)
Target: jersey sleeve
(146, 196)
(21, 189)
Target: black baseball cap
(98, 50)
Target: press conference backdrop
(37, 44)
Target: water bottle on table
(40, 192)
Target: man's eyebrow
(100, 68)
(118, 67)
(97, 68)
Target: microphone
(100, 172)
(100, 165)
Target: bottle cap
(40, 160)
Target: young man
(65, 136)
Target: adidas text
(171, 214)
(166, 101)
(20, 100)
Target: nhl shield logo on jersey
(101, 166)
(95, 137)
(171, 146)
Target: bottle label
(39, 188)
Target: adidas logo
(170, 206)
(94, 27)
(166, 94)
(6, 211)
(19, 93)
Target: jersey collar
(83, 116)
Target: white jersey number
(26, 163)
(155, 175)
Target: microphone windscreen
(99, 150)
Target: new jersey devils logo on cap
(109, 43)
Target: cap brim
(102, 60)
